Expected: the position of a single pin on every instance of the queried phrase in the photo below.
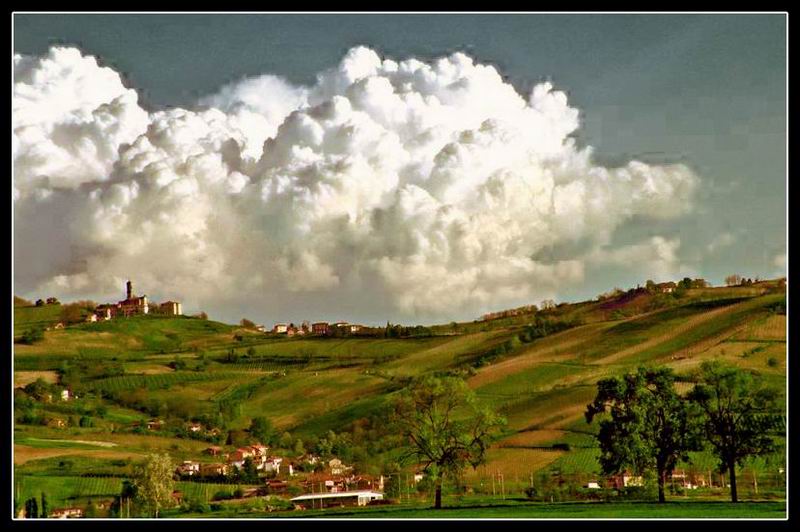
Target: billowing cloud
(416, 190)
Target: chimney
(130, 289)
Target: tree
(247, 324)
(153, 482)
(733, 280)
(31, 336)
(262, 429)
(72, 313)
(31, 508)
(445, 427)
(740, 418)
(45, 507)
(651, 426)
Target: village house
(321, 328)
(66, 513)
(625, 479)
(213, 470)
(273, 464)
(195, 427)
(237, 457)
(280, 328)
(65, 395)
(155, 424)
(170, 308)
(666, 288)
(213, 450)
(188, 468)
(91, 318)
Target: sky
(410, 168)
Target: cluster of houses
(320, 328)
(134, 305)
(261, 459)
(679, 477)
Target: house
(354, 328)
(65, 395)
(320, 327)
(280, 328)
(666, 288)
(66, 513)
(237, 457)
(345, 498)
(592, 486)
(213, 470)
(213, 450)
(195, 427)
(273, 463)
(625, 480)
(418, 476)
(261, 328)
(188, 468)
(337, 467)
(91, 318)
(170, 308)
(155, 424)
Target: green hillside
(538, 369)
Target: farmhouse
(344, 498)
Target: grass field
(531, 510)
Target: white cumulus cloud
(406, 189)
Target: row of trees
(651, 427)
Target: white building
(360, 498)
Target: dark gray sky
(707, 90)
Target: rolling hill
(189, 368)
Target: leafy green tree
(153, 482)
(741, 416)
(651, 427)
(262, 429)
(445, 427)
